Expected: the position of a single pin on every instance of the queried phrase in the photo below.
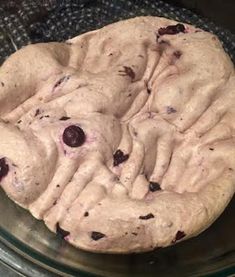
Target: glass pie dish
(211, 253)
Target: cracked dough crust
(166, 103)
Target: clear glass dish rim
(57, 267)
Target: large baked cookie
(121, 139)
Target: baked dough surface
(120, 139)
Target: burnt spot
(47, 116)
(2, 84)
(134, 233)
(37, 184)
(73, 136)
(177, 54)
(119, 157)
(179, 235)
(54, 203)
(154, 186)
(58, 186)
(86, 214)
(4, 168)
(149, 90)
(172, 30)
(211, 149)
(37, 112)
(61, 232)
(170, 110)
(127, 71)
(230, 168)
(19, 121)
(60, 81)
(110, 54)
(129, 95)
(97, 235)
(64, 118)
(146, 217)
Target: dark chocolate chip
(74, 136)
(119, 157)
(86, 214)
(146, 217)
(97, 235)
(179, 235)
(60, 232)
(153, 186)
(60, 81)
(128, 71)
(4, 168)
(170, 110)
(172, 30)
(177, 54)
(37, 112)
(212, 149)
(64, 118)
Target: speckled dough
(151, 118)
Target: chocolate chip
(60, 232)
(37, 112)
(74, 136)
(146, 217)
(177, 54)
(179, 235)
(60, 81)
(64, 118)
(172, 30)
(212, 149)
(170, 110)
(4, 168)
(153, 186)
(97, 235)
(128, 71)
(86, 214)
(119, 157)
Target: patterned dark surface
(29, 21)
